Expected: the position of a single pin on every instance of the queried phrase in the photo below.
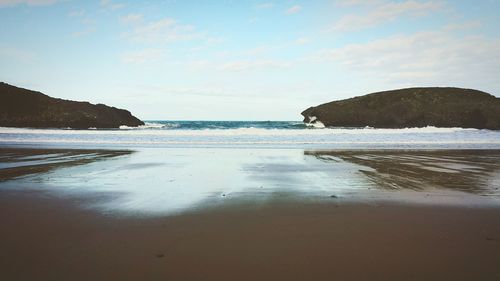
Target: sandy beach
(47, 239)
(265, 215)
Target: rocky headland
(26, 108)
(411, 107)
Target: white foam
(149, 125)
(244, 142)
(235, 132)
(327, 137)
(317, 124)
(314, 122)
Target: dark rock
(160, 255)
(25, 108)
(334, 196)
(411, 107)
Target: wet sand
(43, 238)
(256, 231)
(471, 171)
(19, 162)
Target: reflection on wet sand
(474, 171)
(170, 181)
(16, 163)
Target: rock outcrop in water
(411, 107)
(25, 108)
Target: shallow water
(162, 181)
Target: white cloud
(76, 13)
(293, 10)
(463, 26)
(302, 40)
(425, 57)
(206, 90)
(88, 23)
(83, 32)
(131, 18)
(244, 65)
(385, 11)
(253, 20)
(6, 3)
(17, 54)
(198, 64)
(163, 31)
(143, 56)
(266, 5)
(111, 5)
(358, 2)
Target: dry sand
(43, 238)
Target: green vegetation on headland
(411, 107)
(25, 108)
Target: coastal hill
(411, 107)
(25, 108)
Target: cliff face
(25, 108)
(412, 107)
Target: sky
(244, 60)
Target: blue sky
(244, 60)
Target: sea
(274, 134)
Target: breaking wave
(263, 133)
